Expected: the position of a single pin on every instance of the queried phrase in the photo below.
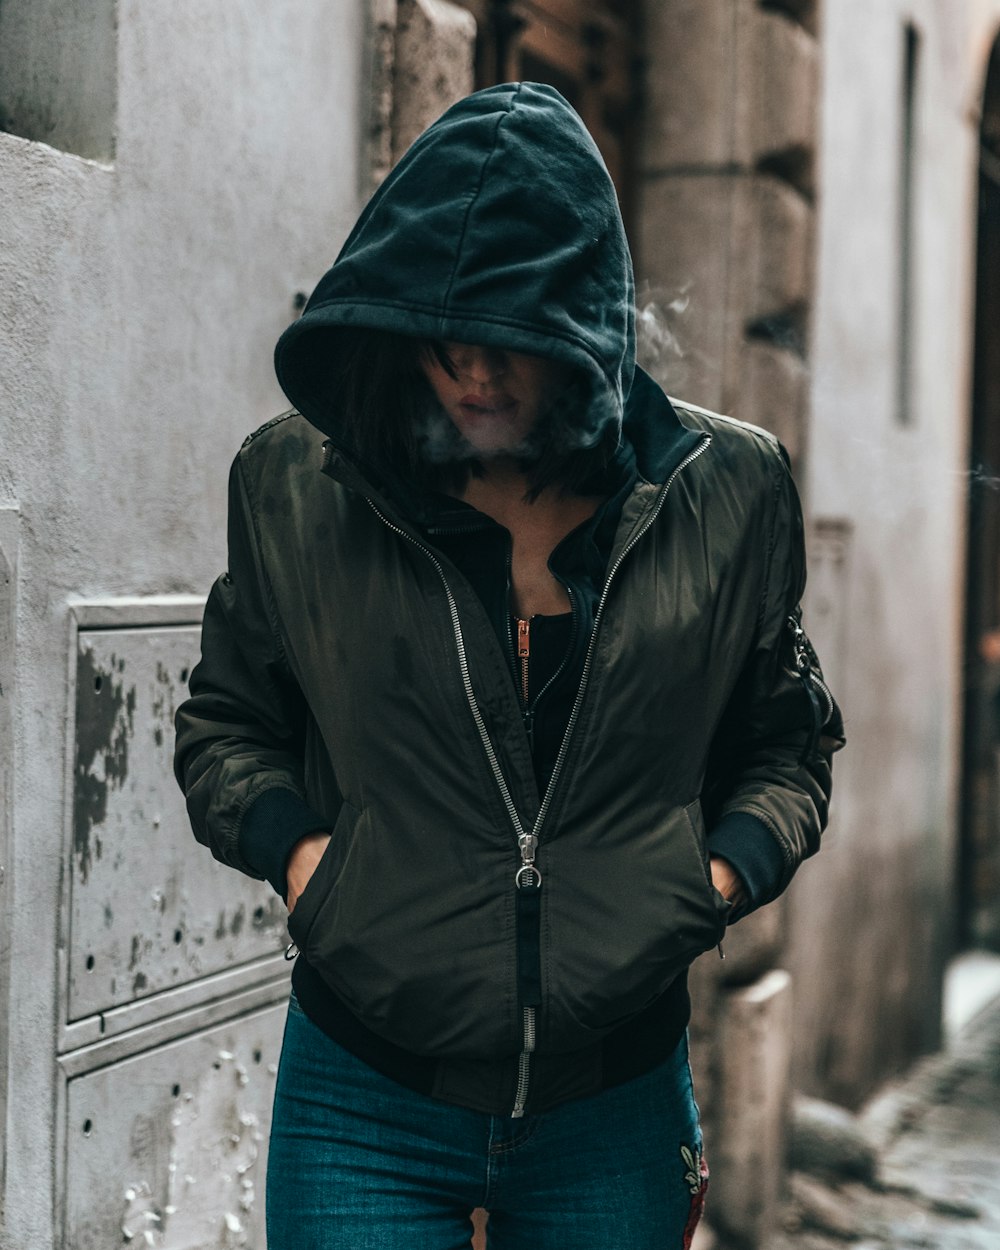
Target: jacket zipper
(524, 654)
(807, 668)
(520, 666)
(528, 875)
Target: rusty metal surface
(168, 1149)
(149, 909)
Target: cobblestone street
(937, 1181)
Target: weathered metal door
(171, 1009)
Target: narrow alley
(935, 1181)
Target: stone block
(690, 48)
(748, 1155)
(776, 86)
(382, 36)
(683, 250)
(729, 84)
(768, 386)
(772, 262)
(828, 1141)
(434, 65)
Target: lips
(488, 405)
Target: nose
(481, 365)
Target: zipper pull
(528, 876)
(803, 667)
(523, 639)
(523, 652)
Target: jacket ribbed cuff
(751, 848)
(271, 826)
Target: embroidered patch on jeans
(696, 1179)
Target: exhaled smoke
(438, 439)
(662, 347)
(657, 343)
(575, 422)
(983, 478)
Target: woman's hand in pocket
(305, 856)
(728, 881)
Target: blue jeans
(359, 1162)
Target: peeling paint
(105, 714)
(142, 1221)
(145, 840)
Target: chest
(534, 591)
(534, 537)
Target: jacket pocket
(696, 823)
(324, 879)
(623, 917)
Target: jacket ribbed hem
(630, 1051)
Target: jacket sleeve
(768, 782)
(240, 735)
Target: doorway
(979, 842)
(587, 49)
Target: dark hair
(389, 417)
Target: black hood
(499, 226)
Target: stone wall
(726, 220)
(726, 227)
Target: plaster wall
(872, 917)
(142, 301)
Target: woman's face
(495, 396)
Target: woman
(503, 633)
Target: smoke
(575, 421)
(438, 439)
(983, 478)
(659, 343)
